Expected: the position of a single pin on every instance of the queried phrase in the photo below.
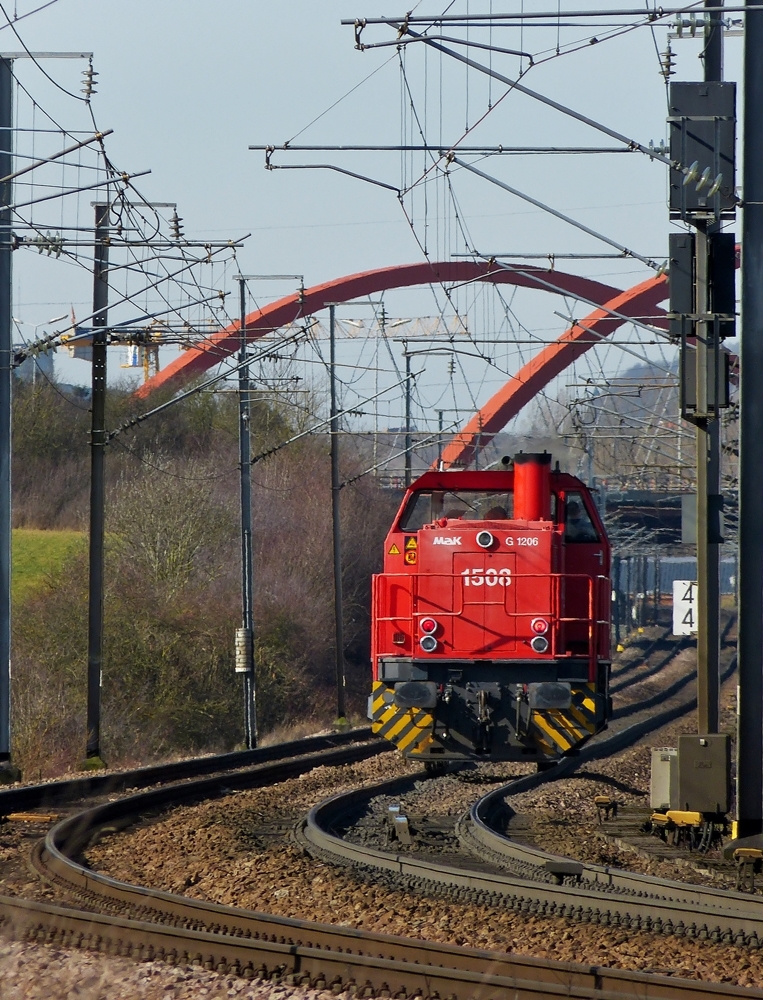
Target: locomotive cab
(490, 630)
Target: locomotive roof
(474, 479)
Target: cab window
(578, 526)
(464, 505)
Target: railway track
(673, 646)
(120, 918)
(56, 793)
(493, 870)
(147, 924)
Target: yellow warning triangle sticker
(394, 550)
(410, 543)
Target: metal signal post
(6, 379)
(336, 487)
(708, 439)
(98, 440)
(750, 643)
(245, 635)
(702, 135)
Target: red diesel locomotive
(490, 622)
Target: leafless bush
(173, 596)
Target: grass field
(36, 554)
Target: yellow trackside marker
(394, 550)
(411, 543)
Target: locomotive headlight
(539, 643)
(428, 643)
(485, 539)
(539, 626)
(428, 625)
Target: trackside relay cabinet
(704, 773)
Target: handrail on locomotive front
(592, 622)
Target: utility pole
(7, 771)
(97, 486)
(702, 139)
(708, 442)
(439, 438)
(407, 418)
(750, 641)
(336, 528)
(245, 635)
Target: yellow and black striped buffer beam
(410, 729)
(558, 730)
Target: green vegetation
(37, 555)
(172, 579)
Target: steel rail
(357, 974)
(159, 925)
(593, 894)
(183, 931)
(632, 678)
(53, 793)
(298, 951)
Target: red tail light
(539, 626)
(428, 625)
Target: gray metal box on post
(702, 124)
(704, 773)
(663, 783)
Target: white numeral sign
(684, 607)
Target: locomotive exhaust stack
(490, 632)
(532, 487)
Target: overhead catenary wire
(626, 251)
(654, 13)
(311, 430)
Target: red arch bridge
(611, 308)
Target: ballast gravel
(225, 851)
(562, 819)
(31, 972)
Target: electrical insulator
(89, 81)
(176, 226)
(50, 243)
(451, 367)
(667, 61)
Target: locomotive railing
(412, 584)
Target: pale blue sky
(188, 85)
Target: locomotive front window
(578, 526)
(464, 505)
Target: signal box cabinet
(704, 773)
(663, 785)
